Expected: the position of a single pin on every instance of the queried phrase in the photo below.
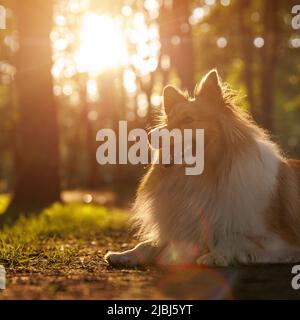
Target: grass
(41, 240)
(4, 202)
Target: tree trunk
(37, 153)
(89, 139)
(247, 53)
(269, 59)
(184, 53)
(173, 24)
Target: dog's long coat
(244, 208)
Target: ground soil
(89, 277)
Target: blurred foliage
(253, 46)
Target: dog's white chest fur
(245, 194)
(187, 209)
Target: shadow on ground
(245, 282)
(88, 277)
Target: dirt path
(88, 277)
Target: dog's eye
(188, 120)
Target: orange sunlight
(102, 44)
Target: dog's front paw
(213, 260)
(119, 259)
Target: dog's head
(212, 108)
(201, 111)
(204, 110)
(227, 128)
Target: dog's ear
(171, 97)
(210, 86)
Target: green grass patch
(4, 202)
(40, 239)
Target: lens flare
(102, 44)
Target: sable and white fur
(244, 208)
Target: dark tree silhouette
(173, 25)
(37, 156)
(269, 61)
(247, 51)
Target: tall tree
(183, 53)
(269, 57)
(245, 45)
(37, 156)
(176, 39)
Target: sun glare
(98, 43)
(102, 44)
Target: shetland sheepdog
(245, 206)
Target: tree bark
(247, 53)
(269, 60)
(171, 23)
(37, 181)
(183, 57)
